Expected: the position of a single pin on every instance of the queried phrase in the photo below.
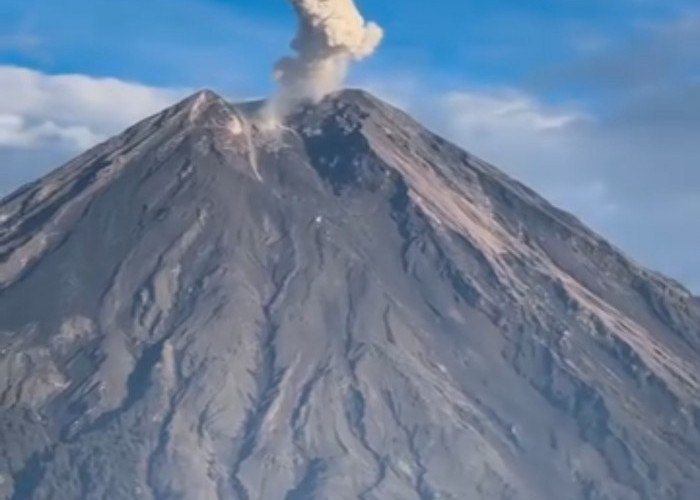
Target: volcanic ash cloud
(331, 35)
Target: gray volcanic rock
(346, 308)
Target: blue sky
(232, 44)
(595, 103)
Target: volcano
(344, 307)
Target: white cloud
(102, 104)
(16, 132)
(507, 108)
(46, 119)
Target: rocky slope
(348, 307)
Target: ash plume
(331, 35)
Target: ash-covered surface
(352, 309)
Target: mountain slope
(349, 307)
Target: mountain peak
(347, 306)
(200, 101)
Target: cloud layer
(46, 119)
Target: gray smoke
(331, 35)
